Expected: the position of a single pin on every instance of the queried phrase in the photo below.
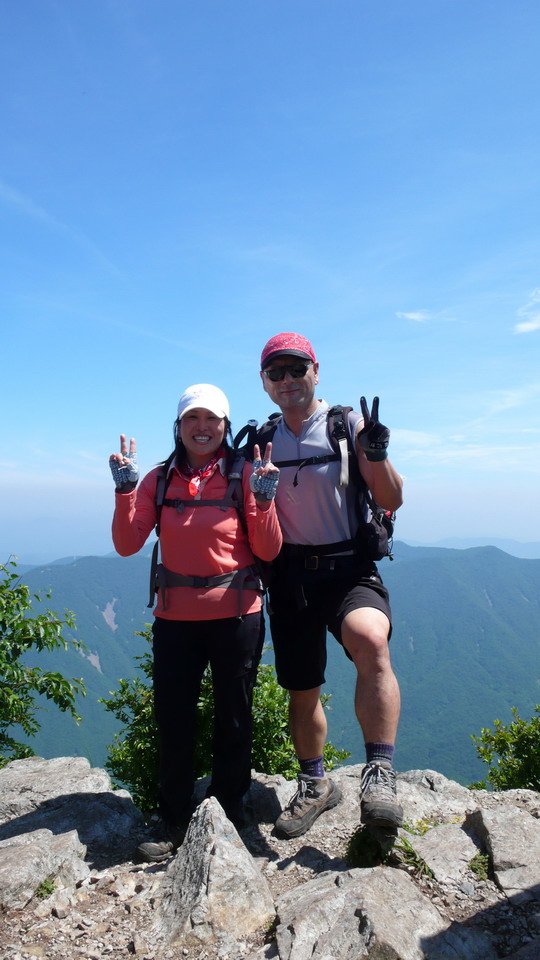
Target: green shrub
(512, 753)
(480, 865)
(21, 631)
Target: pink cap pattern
(291, 344)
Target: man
(314, 586)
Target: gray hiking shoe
(314, 795)
(378, 796)
(160, 850)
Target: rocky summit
(461, 880)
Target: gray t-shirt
(317, 510)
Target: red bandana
(195, 475)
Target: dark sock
(312, 768)
(379, 753)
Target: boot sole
(381, 818)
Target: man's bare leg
(307, 722)
(377, 705)
(315, 793)
(377, 698)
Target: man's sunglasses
(296, 370)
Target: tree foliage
(512, 752)
(23, 631)
(133, 757)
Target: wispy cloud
(425, 316)
(500, 401)
(419, 317)
(531, 311)
(477, 442)
(26, 206)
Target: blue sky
(179, 181)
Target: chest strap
(180, 504)
(307, 462)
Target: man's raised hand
(374, 437)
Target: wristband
(375, 456)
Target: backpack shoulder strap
(338, 429)
(341, 441)
(235, 490)
(163, 481)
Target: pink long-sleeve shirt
(199, 541)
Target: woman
(209, 607)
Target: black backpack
(374, 537)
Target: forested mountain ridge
(465, 647)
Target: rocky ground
(110, 912)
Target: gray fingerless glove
(125, 477)
(263, 487)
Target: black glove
(374, 436)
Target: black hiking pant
(182, 651)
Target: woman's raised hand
(124, 467)
(265, 477)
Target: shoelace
(303, 793)
(375, 775)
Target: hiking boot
(160, 850)
(378, 796)
(314, 795)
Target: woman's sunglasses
(296, 370)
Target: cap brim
(203, 406)
(287, 353)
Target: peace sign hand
(265, 477)
(374, 437)
(124, 466)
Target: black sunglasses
(296, 370)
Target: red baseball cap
(287, 344)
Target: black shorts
(301, 613)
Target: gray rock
(66, 794)
(512, 838)
(27, 861)
(26, 784)
(213, 888)
(447, 850)
(428, 796)
(376, 913)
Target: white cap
(207, 397)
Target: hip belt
(246, 578)
(319, 556)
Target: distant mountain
(108, 597)
(527, 551)
(465, 647)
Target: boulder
(213, 888)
